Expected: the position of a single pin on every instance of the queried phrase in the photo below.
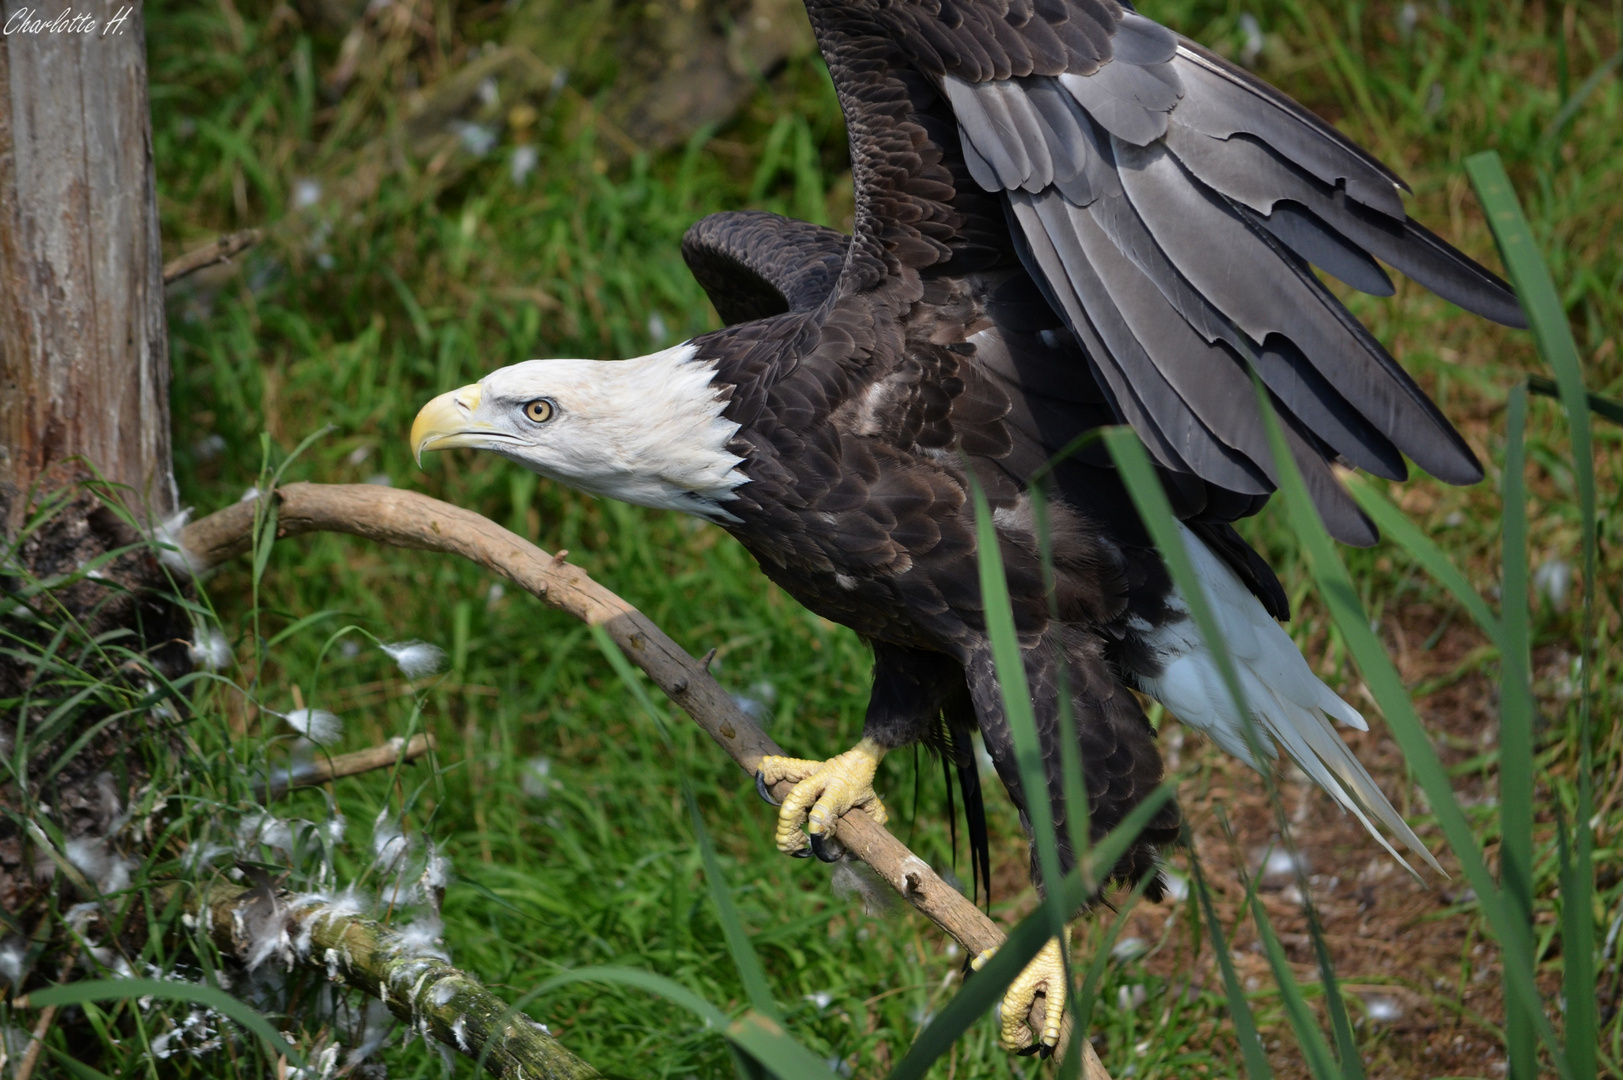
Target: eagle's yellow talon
(824, 791)
(1046, 975)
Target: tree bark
(84, 351)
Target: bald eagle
(1067, 216)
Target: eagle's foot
(1044, 975)
(824, 791)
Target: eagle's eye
(540, 410)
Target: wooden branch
(424, 992)
(321, 770)
(221, 250)
(408, 519)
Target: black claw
(826, 848)
(1030, 1051)
(1046, 1052)
(763, 791)
(803, 853)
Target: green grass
(403, 281)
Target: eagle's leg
(823, 792)
(1045, 975)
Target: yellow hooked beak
(446, 423)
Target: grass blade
(1101, 956)
(980, 992)
(1547, 319)
(1425, 551)
(1133, 462)
(763, 1038)
(267, 537)
(1075, 788)
(78, 993)
(732, 927)
(1009, 659)
(1553, 334)
(1516, 725)
(1341, 599)
(629, 678)
(1578, 940)
(1302, 1021)
(1245, 1025)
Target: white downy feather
(1291, 707)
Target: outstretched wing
(754, 265)
(1170, 207)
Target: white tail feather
(1291, 707)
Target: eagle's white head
(648, 431)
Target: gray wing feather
(1308, 395)
(1052, 277)
(1305, 393)
(1256, 176)
(1086, 173)
(980, 114)
(1317, 243)
(1125, 351)
(1207, 377)
(1028, 128)
(1231, 264)
(1170, 207)
(1130, 102)
(1224, 100)
(1142, 41)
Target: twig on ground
(221, 250)
(36, 1040)
(321, 770)
(423, 991)
(408, 519)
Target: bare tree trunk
(84, 352)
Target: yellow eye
(540, 410)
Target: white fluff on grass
(263, 828)
(171, 548)
(12, 957)
(373, 1033)
(209, 649)
(318, 725)
(322, 1067)
(388, 843)
(1552, 581)
(436, 875)
(107, 870)
(536, 778)
(197, 1035)
(417, 659)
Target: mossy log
(422, 989)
